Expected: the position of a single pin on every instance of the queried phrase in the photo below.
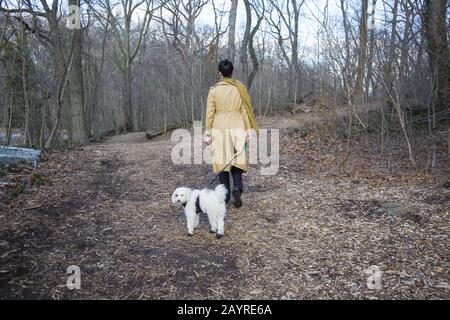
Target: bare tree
(285, 15)
(389, 68)
(369, 77)
(358, 95)
(128, 49)
(77, 100)
(247, 47)
(436, 33)
(63, 56)
(180, 31)
(231, 52)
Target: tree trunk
(404, 53)
(371, 51)
(10, 117)
(245, 42)
(26, 135)
(252, 51)
(438, 51)
(232, 31)
(358, 97)
(345, 69)
(127, 99)
(76, 91)
(43, 123)
(389, 72)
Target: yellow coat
(227, 121)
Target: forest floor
(310, 232)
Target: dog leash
(234, 157)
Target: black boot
(237, 202)
(238, 186)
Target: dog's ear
(173, 195)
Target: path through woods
(300, 234)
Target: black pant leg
(224, 178)
(237, 178)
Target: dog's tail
(221, 192)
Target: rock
(389, 209)
(308, 278)
(289, 296)
(4, 243)
(354, 288)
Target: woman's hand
(248, 138)
(207, 139)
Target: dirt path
(107, 209)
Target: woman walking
(229, 125)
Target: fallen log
(159, 132)
(298, 104)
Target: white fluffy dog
(211, 202)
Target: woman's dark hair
(226, 68)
